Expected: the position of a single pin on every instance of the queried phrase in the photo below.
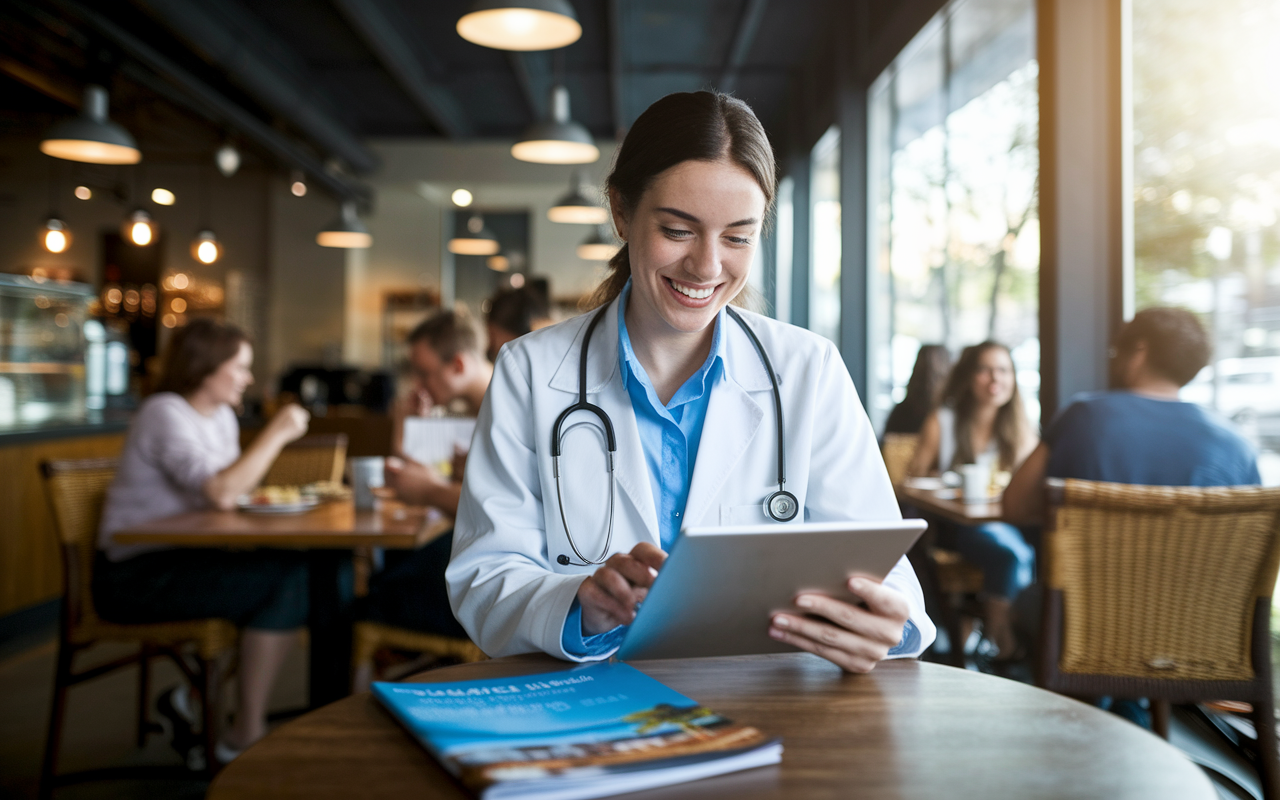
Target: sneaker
(179, 721)
(225, 753)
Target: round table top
(908, 729)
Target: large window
(1206, 132)
(954, 246)
(824, 220)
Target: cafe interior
(965, 188)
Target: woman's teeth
(696, 294)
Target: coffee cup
(366, 475)
(976, 482)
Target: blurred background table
(329, 533)
(946, 503)
(907, 730)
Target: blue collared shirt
(669, 435)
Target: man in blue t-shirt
(1141, 433)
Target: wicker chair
(946, 577)
(1165, 593)
(76, 491)
(370, 637)
(309, 459)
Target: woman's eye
(676, 233)
(739, 240)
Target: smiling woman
(678, 421)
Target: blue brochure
(590, 731)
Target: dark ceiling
(322, 75)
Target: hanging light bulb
(56, 237)
(597, 247)
(84, 193)
(228, 159)
(347, 231)
(299, 185)
(520, 24)
(91, 137)
(475, 239)
(559, 140)
(498, 263)
(139, 228)
(575, 207)
(205, 248)
(163, 197)
(461, 198)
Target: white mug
(366, 474)
(977, 482)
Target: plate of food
(277, 500)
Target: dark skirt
(410, 591)
(263, 589)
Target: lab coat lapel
(605, 389)
(733, 418)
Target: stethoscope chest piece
(781, 506)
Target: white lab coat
(505, 585)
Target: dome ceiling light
(598, 246)
(520, 24)
(477, 240)
(576, 207)
(91, 137)
(228, 160)
(559, 140)
(347, 231)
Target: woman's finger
(783, 629)
(619, 588)
(860, 621)
(635, 571)
(597, 601)
(882, 600)
(832, 636)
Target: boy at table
(450, 370)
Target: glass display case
(43, 350)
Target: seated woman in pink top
(183, 454)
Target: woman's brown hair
(1011, 427)
(686, 126)
(195, 352)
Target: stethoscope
(781, 506)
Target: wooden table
(907, 730)
(949, 506)
(328, 533)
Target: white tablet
(718, 588)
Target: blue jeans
(1008, 563)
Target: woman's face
(993, 381)
(228, 382)
(691, 239)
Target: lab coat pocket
(743, 515)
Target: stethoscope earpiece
(563, 560)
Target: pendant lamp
(205, 248)
(576, 207)
(475, 239)
(598, 246)
(558, 140)
(347, 231)
(139, 228)
(55, 236)
(520, 24)
(91, 137)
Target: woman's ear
(619, 218)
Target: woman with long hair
(924, 389)
(982, 420)
(693, 411)
(183, 454)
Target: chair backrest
(310, 459)
(1154, 583)
(898, 448)
(77, 490)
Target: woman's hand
(610, 596)
(289, 424)
(853, 637)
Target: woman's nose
(704, 261)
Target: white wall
(413, 188)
